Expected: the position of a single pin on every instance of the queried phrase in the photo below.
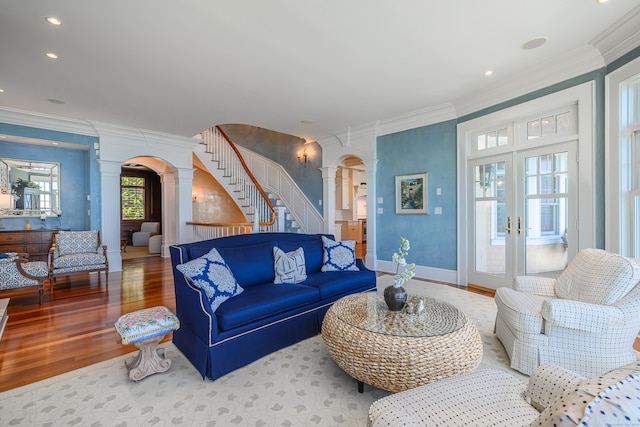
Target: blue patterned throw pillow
(339, 256)
(212, 275)
(289, 266)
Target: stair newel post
(280, 210)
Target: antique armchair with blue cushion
(586, 320)
(17, 272)
(77, 252)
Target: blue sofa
(265, 317)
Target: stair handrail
(253, 179)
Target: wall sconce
(194, 196)
(302, 157)
(59, 217)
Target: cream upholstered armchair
(17, 272)
(585, 321)
(77, 252)
(147, 229)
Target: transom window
(556, 124)
(492, 139)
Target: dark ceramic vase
(395, 298)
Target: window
(132, 197)
(492, 139)
(546, 192)
(629, 166)
(556, 124)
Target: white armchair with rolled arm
(586, 320)
(147, 229)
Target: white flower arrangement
(400, 260)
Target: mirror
(34, 188)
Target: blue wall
(433, 237)
(79, 175)
(283, 149)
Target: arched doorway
(351, 203)
(140, 203)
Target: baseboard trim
(481, 288)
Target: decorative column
(329, 198)
(110, 211)
(372, 213)
(182, 206)
(168, 180)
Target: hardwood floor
(74, 327)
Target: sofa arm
(547, 382)
(581, 316)
(360, 264)
(192, 307)
(542, 286)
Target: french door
(522, 213)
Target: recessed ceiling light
(488, 72)
(601, 1)
(55, 101)
(534, 43)
(52, 55)
(1, 90)
(54, 21)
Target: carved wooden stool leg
(148, 361)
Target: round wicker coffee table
(396, 351)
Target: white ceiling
(182, 66)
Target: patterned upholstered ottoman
(145, 329)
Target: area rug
(296, 386)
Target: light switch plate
(380, 210)
(437, 211)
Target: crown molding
(141, 135)
(572, 64)
(620, 38)
(416, 119)
(89, 128)
(44, 121)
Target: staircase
(265, 212)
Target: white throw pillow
(289, 266)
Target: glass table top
(369, 312)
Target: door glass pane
(546, 215)
(490, 219)
(489, 246)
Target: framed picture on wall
(412, 193)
